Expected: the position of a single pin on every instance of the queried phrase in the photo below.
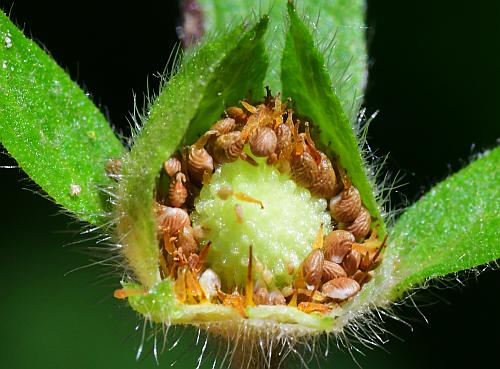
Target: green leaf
(56, 134)
(344, 19)
(456, 226)
(307, 82)
(219, 73)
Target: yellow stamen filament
(249, 281)
(318, 242)
(206, 178)
(309, 140)
(123, 293)
(164, 265)
(180, 285)
(299, 148)
(313, 307)
(244, 197)
(293, 300)
(248, 159)
(252, 109)
(167, 243)
(193, 287)
(225, 192)
(203, 257)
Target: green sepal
(158, 304)
(306, 80)
(230, 64)
(339, 26)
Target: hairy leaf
(456, 226)
(220, 72)
(338, 26)
(307, 82)
(56, 134)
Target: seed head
(283, 137)
(345, 206)
(228, 147)
(172, 166)
(312, 268)
(263, 253)
(360, 227)
(325, 184)
(171, 220)
(332, 270)
(263, 142)
(337, 244)
(304, 169)
(222, 126)
(238, 114)
(177, 191)
(340, 288)
(187, 241)
(199, 163)
(351, 262)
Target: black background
(434, 78)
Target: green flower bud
(238, 237)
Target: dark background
(434, 78)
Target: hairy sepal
(306, 80)
(159, 305)
(52, 129)
(338, 26)
(454, 227)
(203, 85)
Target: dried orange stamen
(123, 293)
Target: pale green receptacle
(281, 233)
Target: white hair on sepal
(342, 82)
(366, 325)
(140, 112)
(177, 58)
(248, 346)
(104, 253)
(162, 341)
(382, 181)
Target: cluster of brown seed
(336, 269)
(340, 262)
